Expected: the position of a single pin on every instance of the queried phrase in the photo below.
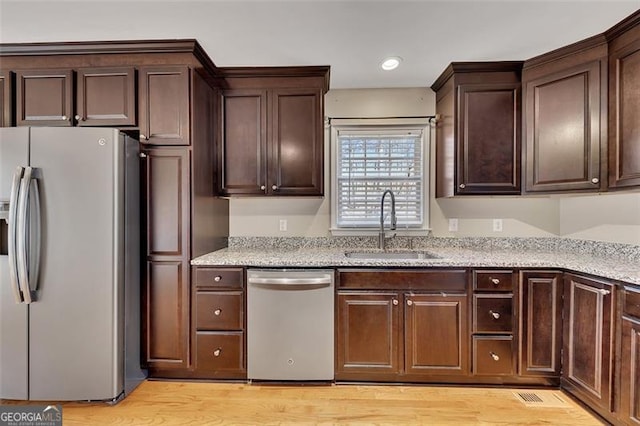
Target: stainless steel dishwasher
(290, 324)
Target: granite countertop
(618, 263)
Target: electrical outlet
(283, 225)
(497, 225)
(453, 225)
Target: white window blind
(370, 162)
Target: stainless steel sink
(391, 255)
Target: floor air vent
(545, 399)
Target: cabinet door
(245, 142)
(630, 371)
(488, 139)
(624, 113)
(541, 335)
(563, 128)
(296, 154)
(436, 334)
(44, 97)
(587, 362)
(167, 314)
(106, 97)
(167, 202)
(368, 333)
(164, 105)
(5, 99)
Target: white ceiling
(350, 36)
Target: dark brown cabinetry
(164, 105)
(478, 129)
(409, 334)
(218, 323)
(272, 129)
(588, 340)
(624, 103)
(629, 393)
(494, 339)
(565, 118)
(99, 97)
(541, 323)
(6, 95)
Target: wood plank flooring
(189, 403)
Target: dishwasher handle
(312, 281)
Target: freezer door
(14, 152)
(76, 348)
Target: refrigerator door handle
(21, 236)
(35, 216)
(11, 249)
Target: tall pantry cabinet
(164, 93)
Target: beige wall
(607, 217)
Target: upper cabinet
(85, 97)
(164, 105)
(624, 103)
(273, 131)
(478, 129)
(565, 118)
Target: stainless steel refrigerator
(69, 264)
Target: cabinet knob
(78, 118)
(217, 278)
(217, 352)
(494, 356)
(604, 292)
(409, 302)
(143, 137)
(217, 312)
(395, 302)
(143, 155)
(462, 186)
(65, 118)
(595, 180)
(263, 187)
(274, 187)
(495, 315)
(495, 281)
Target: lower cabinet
(629, 391)
(412, 334)
(218, 321)
(541, 323)
(587, 365)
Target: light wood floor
(184, 403)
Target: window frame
(384, 126)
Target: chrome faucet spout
(394, 220)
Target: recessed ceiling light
(391, 63)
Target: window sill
(354, 232)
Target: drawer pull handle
(409, 302)
(395, 302)
(217, 352)
(494, 356)
(217, 278)
(217, 312)
(495, 281)
(495, 315)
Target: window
(368, 161)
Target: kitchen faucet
(381, 236)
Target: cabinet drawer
(219, 278)
(493, 280)
(219, 311)
(492, 313)
(219, 352)
(452, 280)
(493, 356)
(632, 301)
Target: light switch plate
(453, 225)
